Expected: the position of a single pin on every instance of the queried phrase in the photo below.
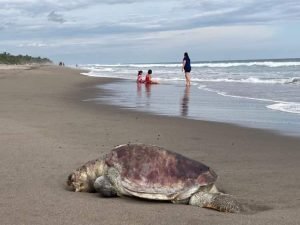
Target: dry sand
(17, 67)
(47, 131)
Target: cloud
(201, 36)
(150, 15)
(55, 17)
(44, 19)
(248, 11)
(109, 23)
(32, 44)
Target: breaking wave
(290, 107)
(253, 80)
(206, 64)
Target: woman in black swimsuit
(186, 66)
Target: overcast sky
(124, 31)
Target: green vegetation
(6, 58)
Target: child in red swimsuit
(148, 77)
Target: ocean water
(261, 94)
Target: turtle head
(78, 182)
(82, 179)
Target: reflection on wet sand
(148, 90)
(185, 101)
(148, 94)
(139, 89)
(140, 94)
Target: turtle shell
(155, 173)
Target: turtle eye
(71, 179)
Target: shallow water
(194, 103)
(261, 94)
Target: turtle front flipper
(218, 201)
(103, 186)
(114, 177)
(109, 185)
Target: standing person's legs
(187, 79)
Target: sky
(139, 31)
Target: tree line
(6, 58)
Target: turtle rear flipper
(218, 201)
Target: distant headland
(7, 58)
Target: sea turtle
(152, 172)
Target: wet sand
(47, 131)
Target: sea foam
(291, 107)
(205, 64)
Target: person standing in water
(186, 67)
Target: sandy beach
(47, 130)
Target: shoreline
(264, 96)
(117, 99)
(47, 131)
